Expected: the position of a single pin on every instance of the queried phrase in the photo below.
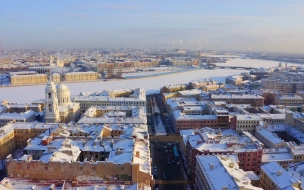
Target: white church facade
(58, 107)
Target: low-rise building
(27, 116)
(289, 100)
(274, 177)
(81, 76)
(28, 77)
(269, 139)
(124, 97)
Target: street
(167, 166)
(167, 169)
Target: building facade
(81, 76)
(274, 177)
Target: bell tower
(51, 103)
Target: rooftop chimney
(279, 172)
(231, 164)
(137, 154)
(211, 166)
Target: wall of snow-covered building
(70, 171)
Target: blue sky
(273, 25)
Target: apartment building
(67, 157)
(274, 177)
(207, 141)
(269, 139)
(245, 123)
(289, 100)
(253, 99)
(219, 172)
(18, 108)
(182, 121)
(296, 171)
(284, 82)
(27, 116)
(15, 135)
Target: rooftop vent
(279, 172)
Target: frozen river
(26, 94)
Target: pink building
(207, 141)
(182, 121)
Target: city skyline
(216, 25)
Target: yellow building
(81, 76)
(31, 77)
(68, 158)
(28, 79)
(7, 141)
(220, 173)
(274, 177)
(56, 78)
(16, 135)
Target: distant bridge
(230, 67)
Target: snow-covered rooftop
(17, 116)
(221, 172)
(278, 175)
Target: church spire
(51, 102)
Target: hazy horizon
(217, 25)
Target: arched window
(50, 107)
(50, 95)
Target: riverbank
(152, 84)
(115, 79)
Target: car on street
(156, 186)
